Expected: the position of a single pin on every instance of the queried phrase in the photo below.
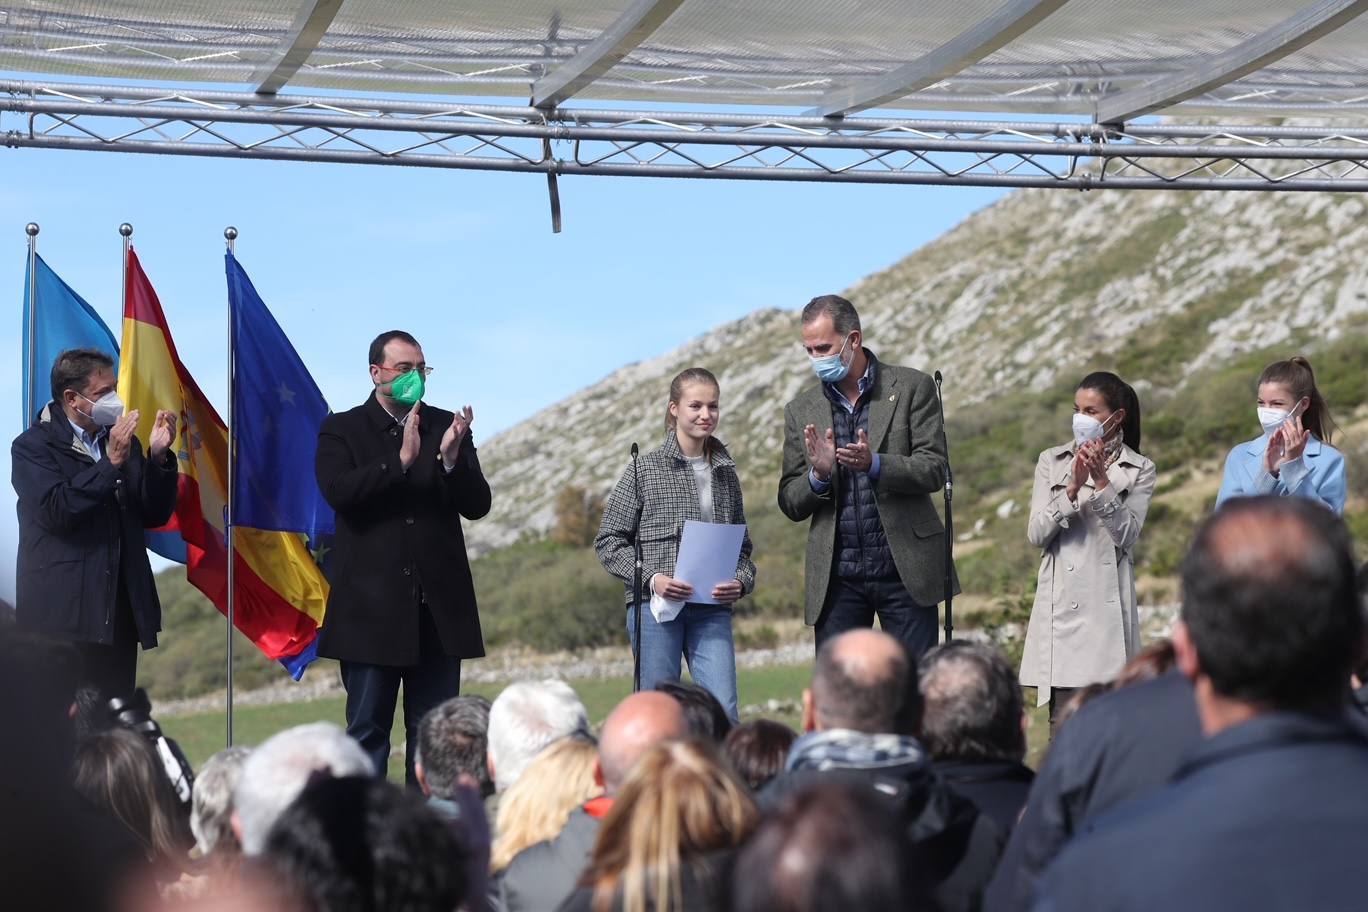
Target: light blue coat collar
(1259, 445)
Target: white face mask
(106, 410)
(1085, 428)
(1271, 419)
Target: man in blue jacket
(1269, 812)
(86, 493)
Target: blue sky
(512, 316)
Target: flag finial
(31, 229)
(126, 230)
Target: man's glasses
(405, 368)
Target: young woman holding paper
(1293, 456)
(690, 476)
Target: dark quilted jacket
(862, 551)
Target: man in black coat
(1269, 812)
(400, 476)
(85, 495)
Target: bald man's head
(638, 724)
(1270, 603)
(863, 681)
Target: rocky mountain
(1157, 286)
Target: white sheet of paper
(708, 553)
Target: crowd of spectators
(1224, 768)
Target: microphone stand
(636, 577)
(949, 521)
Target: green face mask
(407, 388)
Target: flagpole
(31, 229)
(126, 232)
(230, 235)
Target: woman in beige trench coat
(1087, 508)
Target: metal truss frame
(561, 141)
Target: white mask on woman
(1085, 428)
(1270, 419)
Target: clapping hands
(451, 440)
(1089, 462)
(821, 451)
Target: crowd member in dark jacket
(86, 493)
(541, 876)
(864, 450)
(1119, 746)
(1268, 813)
(859, 714)
(973, 724)
(401, 475)
(354, 843)
(58, 851)
(828, 847)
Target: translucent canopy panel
(1096, 59)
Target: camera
(135, 714)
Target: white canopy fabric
(1105, 60)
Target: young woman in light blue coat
(1293, 455)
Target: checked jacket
(669, 497)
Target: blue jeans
(702, 634)
(852, 605)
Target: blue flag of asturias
(61, 320)
(277, 410)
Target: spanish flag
(281, 593)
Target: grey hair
(844, 318)
(453, 739)
(972, 704)
(211, 811)
(524, 719)
(277, 771)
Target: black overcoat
(399, 537)
(80, 523)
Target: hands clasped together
(1090, 461)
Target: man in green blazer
(863, 453)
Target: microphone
(949, 518)
(634, 445)
(940, 404)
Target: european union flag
(277, 410)
(61, 319)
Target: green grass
(203, 734)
